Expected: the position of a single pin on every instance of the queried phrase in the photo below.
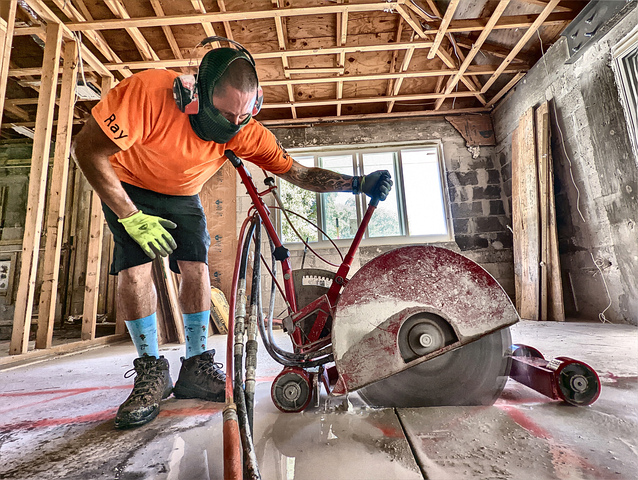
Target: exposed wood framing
(455, 26)
(159, 11)
(411, 20)
(525, 222)
(95, 37)
(282, 39)
(94, 256)
(351, 101)
(393, 62)
(505, 89)
(6, 38)
(399, 81)
(227, 29)
(119, 10)
(48, 16)
(57, 199)
(342, 33)
(449, 13)
(449, 61)
(521, 43)
(206, 25)
(564, 7)
(372, 116)
(452, 82)
(495, 50)
(37, 192)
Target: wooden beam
(449, 61)
(473, 70)
(449, 13)
(17, 111)
(94, 255)
(77, 121)
(495, 50)
(282, 38)
(145, 49)
(399, 81)
(525, 217)
(95, 37)
(566, 7)
(57, 199)
(505, 89)
(168, 33)
(276, 55)
(36, 356)
(453, 81)
(313, 70)
(227, 29)
(521, 43)
(5, 50)
(207, 26)
(372, 116)
(408, 16)
(393, 62)
(48, 16)
(350, 101)
(37, 192)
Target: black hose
(251, 469)
(251, 343)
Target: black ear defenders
(186, 91)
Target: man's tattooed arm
(317, 179)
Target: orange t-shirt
(160, 150)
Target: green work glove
(377, 183)
(150, 232)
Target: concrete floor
(56, 421)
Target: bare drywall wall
(598, 210)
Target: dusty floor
(56, 421)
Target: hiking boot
(201, 377)
(152, 384)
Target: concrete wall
(474, 186)
(593, 139)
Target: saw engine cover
(411, 305)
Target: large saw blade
(474, 374)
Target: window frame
(361, 202)
(624, 48)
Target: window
(626, 69)
(415, 211)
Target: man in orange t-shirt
(148, 160)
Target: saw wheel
(474, 374)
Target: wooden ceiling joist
(374, 116)
(48, 16)
(361, 100)
(95, 37)
(521, 43)
(119, 10)
(449, 13)
(168, 33)
(500, 8)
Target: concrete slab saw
(422, 326)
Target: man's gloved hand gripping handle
(376, 183)
(150, 233)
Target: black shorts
(191, 234)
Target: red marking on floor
(55, 422)
(525, 422)
(65, 393)
(390, 431)
(62, 390)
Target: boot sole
(198, 394)
(123, 424)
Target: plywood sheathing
(290, 40)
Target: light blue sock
(144, 334)
(196, 328)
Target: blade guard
(395, 286)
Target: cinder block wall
(475, 188)
(593, 134)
